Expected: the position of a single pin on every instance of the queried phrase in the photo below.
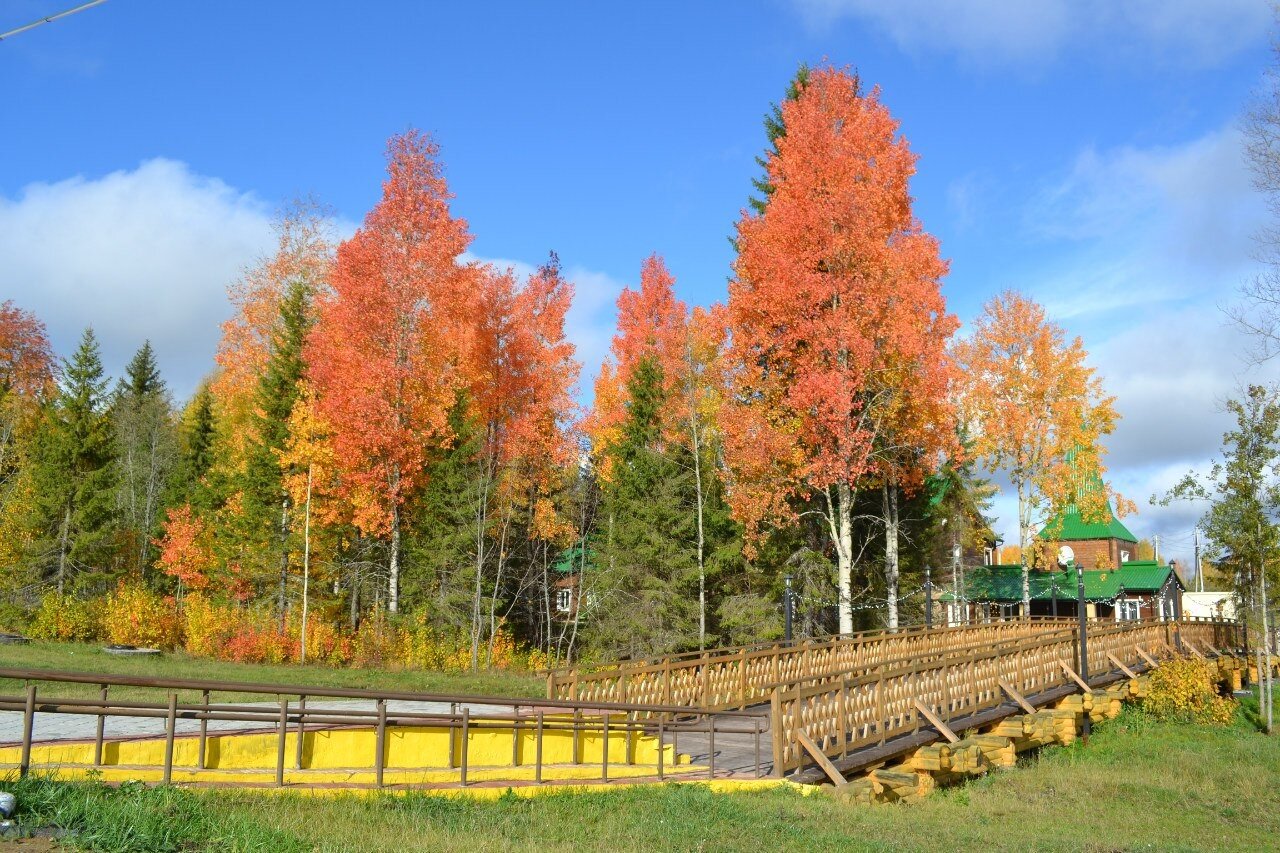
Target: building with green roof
(1138, 589)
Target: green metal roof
(1071, 526)
(1004, 583)
(571, 559)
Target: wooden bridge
(842, 705)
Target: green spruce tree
(146, 451)
(74, 475)
(644, 590)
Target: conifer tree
(146, 450)
(266, 502)
(74, 472)
(645, 587)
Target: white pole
(306, 568)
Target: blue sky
(1085, 152)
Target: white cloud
(140, 254)
(148, 253)
(1143, 245)
(1035, 31)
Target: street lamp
(1084, 645)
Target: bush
(64, 617)
(135, 616)
(1182, 690)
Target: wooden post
(821, 757)
(1017, 697)
(937, 723)
(1119, 665)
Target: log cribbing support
(1120, 665)
(1074, 676)
(1017, 697)
(821, 757)
(936, 721)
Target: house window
(564, 600)
(1129, 609)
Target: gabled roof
(1070, 525)
(1004, 583)
(571, 559)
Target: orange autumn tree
(522, 378)
(303, 252)
(186, 552)
(386, 353)
(28, 373)
(1036, 411)
(652, 323)
(836, 366)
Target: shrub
(1182, 690)
(135, 616)
(64, 617)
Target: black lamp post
(1084, 643)
(788, 607)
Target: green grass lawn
(90, 658)
(1140, 785)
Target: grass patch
(1140, 785)
(133, 817)
(90, 658)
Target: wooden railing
(844, 714)
(736, 678)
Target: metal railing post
(170, 724)
(28, 726)
(101, 729)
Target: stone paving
(49, 727)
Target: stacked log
(934, 758)
(998, 751)
(898, 784)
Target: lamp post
(787, 609)
(1084, 644)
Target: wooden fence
(736, 678)
(842, 714)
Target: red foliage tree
(386, 355)
(837, 364)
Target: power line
(52, 17)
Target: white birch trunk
(889, 494)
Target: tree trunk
(889, 496)
(1024, 523)
(284, 563)
(63, 548)
(702, 564)
(843, 523)
(393, 574)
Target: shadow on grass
(1251, 710)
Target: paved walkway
(51, 727)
